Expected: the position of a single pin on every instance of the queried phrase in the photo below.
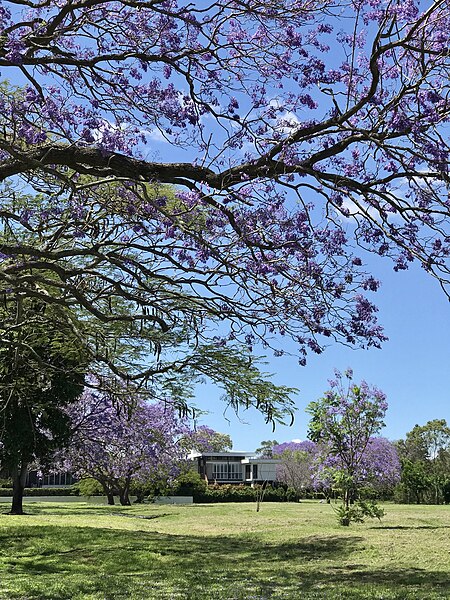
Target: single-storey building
(235, 467)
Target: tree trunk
(124, 495)
(345, 521)
(437, 494)
(108, 493)
(124, 498)
(260, 495)
(19, 477)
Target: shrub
(292, 495)
(89, 487)
(189, 484)
(358, 512)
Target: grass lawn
(223, 552)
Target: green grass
(223, 552)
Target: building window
(255, 471)
(227, 471)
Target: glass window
(226, 471)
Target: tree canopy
(292, 133)
(205, 439)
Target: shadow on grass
(66, 562)
(50, 508)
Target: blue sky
(412, 368)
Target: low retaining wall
(173, 500)
(104, 499)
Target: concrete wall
(173, 500)
(104, 499)
(267, 472)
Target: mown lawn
(223, 552)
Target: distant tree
(305, 446)
(41, 373)
(425, 455)
(265, 449)
(379, 469)
(118, 446)
(415, 482)
(297, 464)
(205, 439)
(343, 423)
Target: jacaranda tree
(205, 439)
(298, 464)
(119, 447)
(379, 470)
(344, 422)
(310, 466)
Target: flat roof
(232, 454)
(266, 461)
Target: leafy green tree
(415, 481)
(266, 448)
(425, 455)
(41, 373)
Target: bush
(188, 484)
(358, 512)
(89, 487)
(225, 493)
(275, 494)
(292, 495)
(385, 492)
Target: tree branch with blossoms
(293, 135)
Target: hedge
(50, 491)
(242, 493)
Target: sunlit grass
(223, 552)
